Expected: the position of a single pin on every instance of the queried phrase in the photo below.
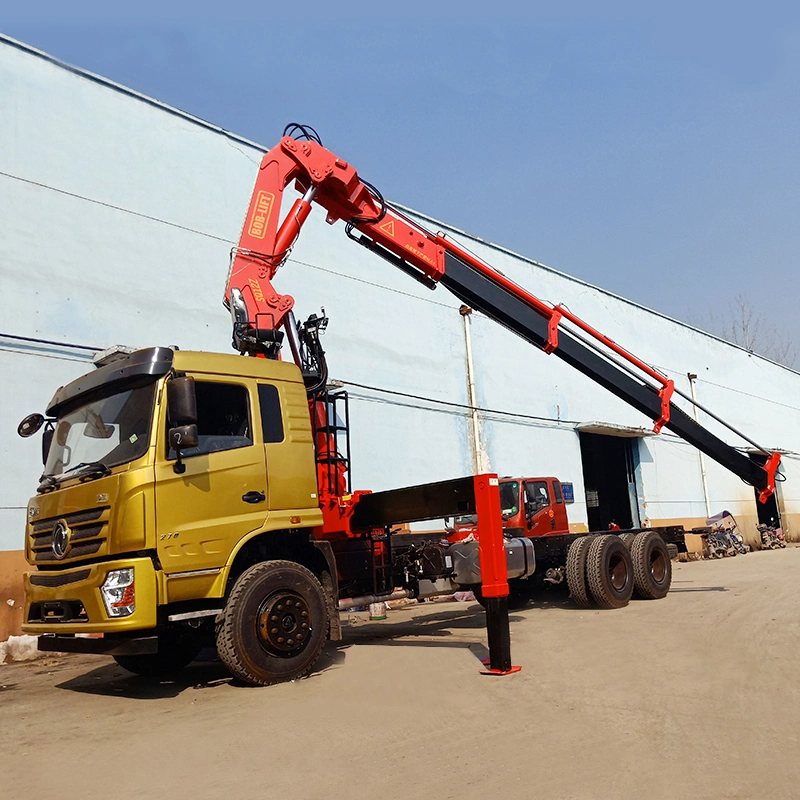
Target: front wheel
(274, 624)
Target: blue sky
(657, 156)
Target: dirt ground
(693, 696)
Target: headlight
(119, 592)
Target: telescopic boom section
(327, 180)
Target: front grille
(76, 551)
(87, 534)
(48, 579)
(58, 611)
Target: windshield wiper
(47, 484)
(86, 471)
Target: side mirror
(182, 402)
(184, 437)
(30, 425)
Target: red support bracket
(771, 468)
(494, 574)
(552, 330)
(665, 393)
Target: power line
(115, 208)
(465, 406)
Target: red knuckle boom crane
(261, 314)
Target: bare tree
(752, 330)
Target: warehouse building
(119, 214)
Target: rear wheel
(518, 597)
(609, 572)
(627, 539)
(576, 571)
(274, 624)
(176, 650)
(652, 568)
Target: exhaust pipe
(367, 599)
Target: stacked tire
(606, 570)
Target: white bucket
(377, 611)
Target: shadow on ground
(699, 589)
(111, 680)
(438, 626)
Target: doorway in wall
(769, 513)
(610, 480)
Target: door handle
(254, 497)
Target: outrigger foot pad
(487, 663)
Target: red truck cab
(531, 507)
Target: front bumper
(70, 601)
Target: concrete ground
(694, 696)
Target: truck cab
(122, 527)
(531, 507)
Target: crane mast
(262, 316)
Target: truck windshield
(509, 504)
(509, 498)
(110, 430)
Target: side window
(271, 419)
(557, 492)
(223, 419)
(536, 494)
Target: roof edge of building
(121, 89)
(531, 261)
(118, 87)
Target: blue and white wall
(118, 216)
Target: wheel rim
(283, 623)
(618, 572)
(658, 567)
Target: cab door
(540, 519)
(222, 495)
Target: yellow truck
(123, 528)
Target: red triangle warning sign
(388, 227)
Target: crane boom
(260, 314)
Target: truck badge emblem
(60, 544)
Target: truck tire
(652, 568)
(609, 572)
(627, 539)
(576, 571)
(176, 650)
(274, 624)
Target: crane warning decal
(388, 227)
(262, 210)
